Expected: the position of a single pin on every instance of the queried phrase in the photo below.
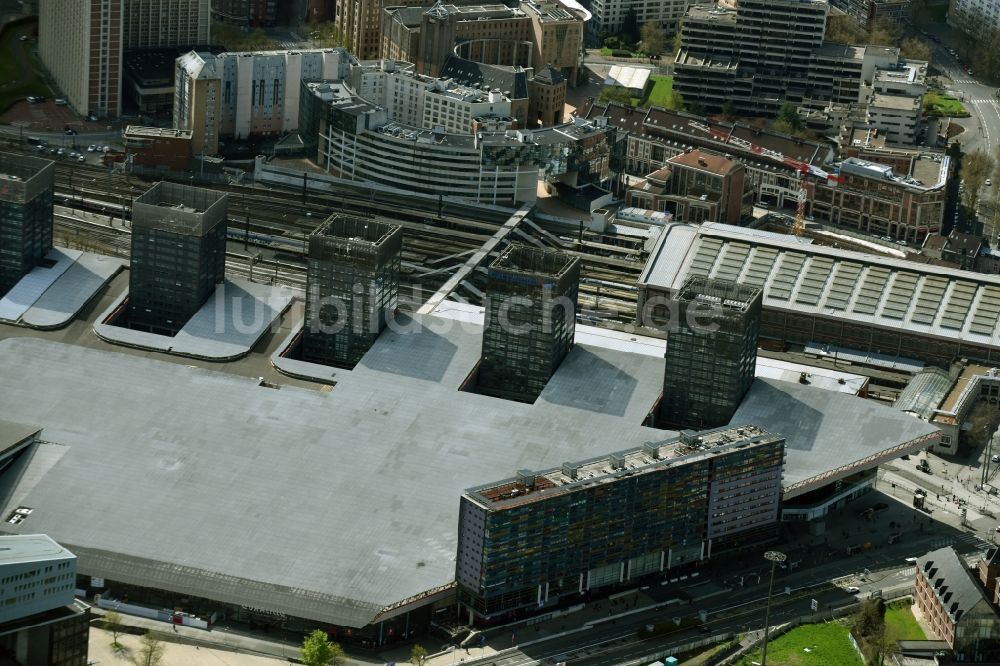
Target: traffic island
(51, 295)
(225, 328)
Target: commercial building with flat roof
(352, 283)
(397, 440)
(26, 188)
(878, 305)
(531, 320)
(623, 518)
(178, 254)
(40, 622)
(158, 148)
(712, 330)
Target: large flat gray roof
(334, 506)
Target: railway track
(274, 226)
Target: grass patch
(941, 105)
(662, 91)
(617, 94)
(900, 625)
(828, 644)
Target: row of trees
(976, 168)
(979, 47)
(318, 650)
(150, 652)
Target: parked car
(852, 590)
(995, 458)
(91, 148)
(911, 560)
(988, 182)
(61, 102)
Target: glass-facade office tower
(711, 352)
(352, 284)
(530, 321)
(178, 255)
(547, 538)
(25, 215)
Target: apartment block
(178, 254)
(252, 13)
(152, 24)
(530, 321)
(41, 623)
(609, 15)
(352, 284)
(237, 95)
(528, 35)
(80, 43)
(712, 330)
(694, 186)
(871, 13)
(764, 53)
(975, 16)
(623, 519)
(26, 187)
(956, 605)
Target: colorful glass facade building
(549, 538)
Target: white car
(852, 590)
(91, 148)
(911, 560)
(988, 182)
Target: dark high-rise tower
(178, 254)
(711, 352)
(352, 285)
(25, 215)
(530, 321)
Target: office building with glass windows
(549, 538)
(178, 254)
(352, 283)
(530, 321)
(711, 352)
(25, 215)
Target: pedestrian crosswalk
(964, 81)
(987, 100)
(966, 539)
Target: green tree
(616, 94)
(318, 650)
(788, 120)
(695, 108)
(676, 102)
(653, 41)
(326, 35)
(729, 109)
(113, 623)
(418, 654)
(884, 34)
(976, 168)
(150, 652)
(868, 627)
(677, 42)
(916, 49)
(842, 29)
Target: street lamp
(773, 556)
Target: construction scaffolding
(530, 321)
(352, 285)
